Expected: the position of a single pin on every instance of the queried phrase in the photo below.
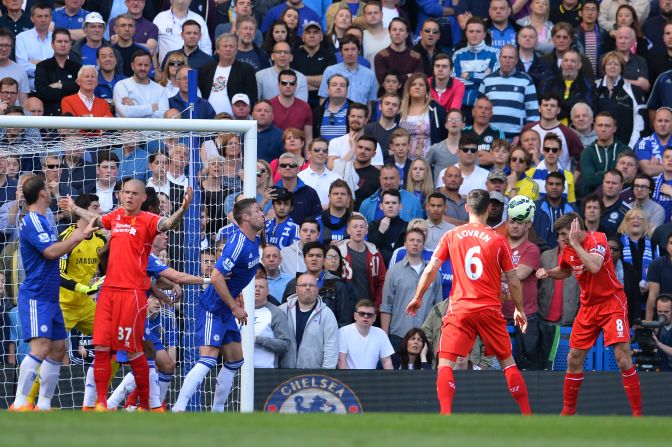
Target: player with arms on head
(39, 309)
(478, 255)
(219, 307)
(122, 302)
(603, 307)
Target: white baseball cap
(94, 17)
(240, 97)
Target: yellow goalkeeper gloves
(90, 290)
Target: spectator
(563, 36)
(55, 77)
(306, 14)
(539, 22)
(654, 27)
(338, 20)
(526, 259)
(659, 278)
(387, 233)
(107, 75)
(529, 61)
(452, 181)
(399, 144)
(608, 8)
(590, 34)
(76, 173)
(501, 150)
(663, 337)
(213, 192)
(517, 181)
(35, 45)
(269, 136)
(277, 279)
(414, 353)
(387, 123)
(362, 81)
(421, 116)
(268, 78)
(436, 225)
(281, 229)
(84, 102)
(445, 89)
(132, 157)
(271, 330)
(551, 206)
(10, 69)
(240, 105)
(313, 329)
(292, 256)
(294, 142)
(158, 163)
(389, 179)
(635, 69)
(202, 108)
(125, 45)
(649, 150)
(551, 150)
(170, 24)
(581, 117)
(501, 31)
(512, 94)
(482, 130)
(146, 33)
(71, 17)
(364, 267)
(330, 117)
(191, 37)
(401, 281)
(7, 184)
(107, 170)
(289, 111)
(249, 51)
(467, 69)
(220, 81)
(333, 221)
(473, 176)
(12, 212)
(316, 175)
(15, 20)
(428, 46)
(312, 59)
(530, 142)
(642, 189)
(569, 84)
(362, 346)
(84, 50)
(614, 207)
(662, 63)
(9, 93)
(139, 96)
(593, 208)
(398, 55)
(376, 36)
(568, 11)
(444, 154)
(306, 201)
(343, 147)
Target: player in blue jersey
(39, 309)
(281, 230)
(219, 307)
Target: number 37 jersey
(478, 256)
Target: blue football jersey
(43, 277)
(155, 266)
(239, 262)
(281, 234)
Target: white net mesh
(75, 162)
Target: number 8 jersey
(478, 256)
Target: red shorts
(459, 332)
(610, 316)
(120, 319)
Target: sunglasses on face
(53, 166)
(261, 172)
(288, 165)
(365, 314)
(468, 150)
(431, 31)
(317, 150)
(554, 150)
(517, 160)
(175, 63)
(285, 83)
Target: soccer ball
(521, 209)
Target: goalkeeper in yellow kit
(78, 268)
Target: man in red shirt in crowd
(478, 255)
(604, 306)
(121, 310)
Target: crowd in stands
(374, 121)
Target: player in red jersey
(121, 310)
(478, 255)
(603, 307)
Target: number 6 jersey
(478, 256)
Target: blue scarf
(647, 257)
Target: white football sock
(223, 388)
(28, 372)
(50, 371)
(164, 384)
(121, 392)
(154, 391)
(192, 382)
(90, 395)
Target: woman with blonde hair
(339, 19)
(538, 19)
(421, 116)
(171, 66)
(419, 179)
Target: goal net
(79, 156)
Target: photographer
(663, 338)
(335, 293)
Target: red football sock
(445, 389)
(573, 383)
(101, 374)
(518, 388)
(132, 399)
(633, 390)
(141, 374)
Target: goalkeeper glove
(89, 290)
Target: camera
(645, 351)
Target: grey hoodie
(319, 346)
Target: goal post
(109, 133)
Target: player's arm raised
(182, 278)
(426, 280)
(67, 204)
(592, 261)
(58, 249)
(168, 223)
(516, 291)
(219, 282)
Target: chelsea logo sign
(313, 394)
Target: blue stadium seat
(560, 359)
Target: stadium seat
(562, 349)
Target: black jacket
(392, 239)
(580, 91)
(46, 73)
(241, 80)
(539, 71)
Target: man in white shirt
(170, 28)
(316, 174)
(267, 79)
(362, 346)
(376, 36)
(34, 45)
(343, 147)
(473, 176)
(106, 177)
(139, 96)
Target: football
(521, 209)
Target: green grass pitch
(73, 429)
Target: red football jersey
(595, 287)
(478, 255)
(131, 240)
